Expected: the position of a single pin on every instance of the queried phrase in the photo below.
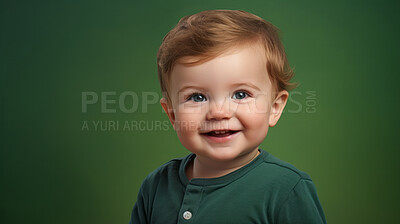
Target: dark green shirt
(267, 190)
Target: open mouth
(221, 133)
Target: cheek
(261, 104)
(258, 106)
(256, 122)
(256, 127)
(257, 109)
(187, 127)
(254, 117)
(187, 121)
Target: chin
(224, 154)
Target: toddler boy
(225, 80)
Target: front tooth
(217, 132)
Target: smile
(221, 133)
(220, 136)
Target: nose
(219, 111)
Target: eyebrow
(246, 84)
(191, 87)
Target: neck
(205, 168)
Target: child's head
(224, 77)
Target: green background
(340, 125)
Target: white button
(187, 215)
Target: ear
(169, 110)
(277, 107)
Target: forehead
(246, 63)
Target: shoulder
(294, 190)
(285, 168)
(165, 168)
(167, 172)
(279, 176)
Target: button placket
(190, 203)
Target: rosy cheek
(253, 108)
(253, 121)
(187, 121)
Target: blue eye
(197, 97)
(240, 95)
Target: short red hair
(208, 34)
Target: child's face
(230, 93)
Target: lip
(221, 139)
